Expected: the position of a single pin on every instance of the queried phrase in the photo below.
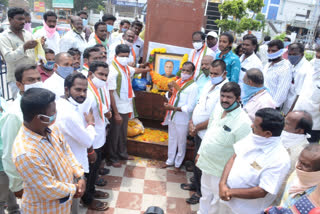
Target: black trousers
(91, 177)
(315, 136)
(117, 142)
(196, 171)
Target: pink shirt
(259, 101)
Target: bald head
(254, 77)
(309, 159)
(75, 18)
(205, 64)
(76, 22)
(129, 36)
(298, 122)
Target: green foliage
(93, 4)
(281, 36)
(101, 8)
(255, 5)
(309, 56)
(235, 8)
(238, 10)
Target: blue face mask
(286, 43)
(49, 65)
(248, 92)
(50, 118)
(109, 28)
(84, 22)
(275, 55)
(124, 30)
(64, 71)
(293, 59)
(216, 80)
(232, 107)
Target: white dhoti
(177, 141)
(210, 202)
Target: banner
(62, 4)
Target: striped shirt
(48, 168)
(277, 78)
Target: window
(273, 12)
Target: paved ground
(140, 183)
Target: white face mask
(33, 85)
(184, 76)
(98, 82)
(289, 139)
(197, 45)
(123, 60)
(72, 101)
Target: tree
(238, 10)
(93, 4)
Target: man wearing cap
(212, 41)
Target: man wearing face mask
(100, 37)
(46, 69)
(255, 95)
(249, 58)
(309, 100)
(179, 109)
(62, 68)
(75, 37)
(277, 73)
(227, 124)
(203, 76)
(199, 51)
(303, 181)
(127, 38)
(99, 100)
(123, 27)
(121, 94)
(253, 175)
(43, 159)
(200, 119)
(86, 29)
(76, 124)
(27, 77)
(300, 67)
(49, 31)
(90, 55)
(109, 20)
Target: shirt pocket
(251, 171)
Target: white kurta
(52, 43)
(78, 135)
(55, 83)
(112, 52)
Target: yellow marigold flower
(163, 50)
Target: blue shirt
(233, 65)
(201, 81)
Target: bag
(135, 127)
(139, 84)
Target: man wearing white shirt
(200, 50)
(77, 124)
(74, 38)
(62, 69)
(263, 50)
(138, 43)
(128, 39)
(49, 32)
(100, 35)
(249, 58)
(121, 94)
(253, 175)
(300, 68)
(255, 95)
(99, 101)
(309, 100)
(200, 119)
(179, 110)
(203, 76)
(277, 73)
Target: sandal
(103, 171)
(100, 195)
(188, 187)
(194, 199)
(98, 205)
(101, 182)
(192, 179)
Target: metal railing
(4, 88)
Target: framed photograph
(167, 64)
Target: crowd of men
(251, 120)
